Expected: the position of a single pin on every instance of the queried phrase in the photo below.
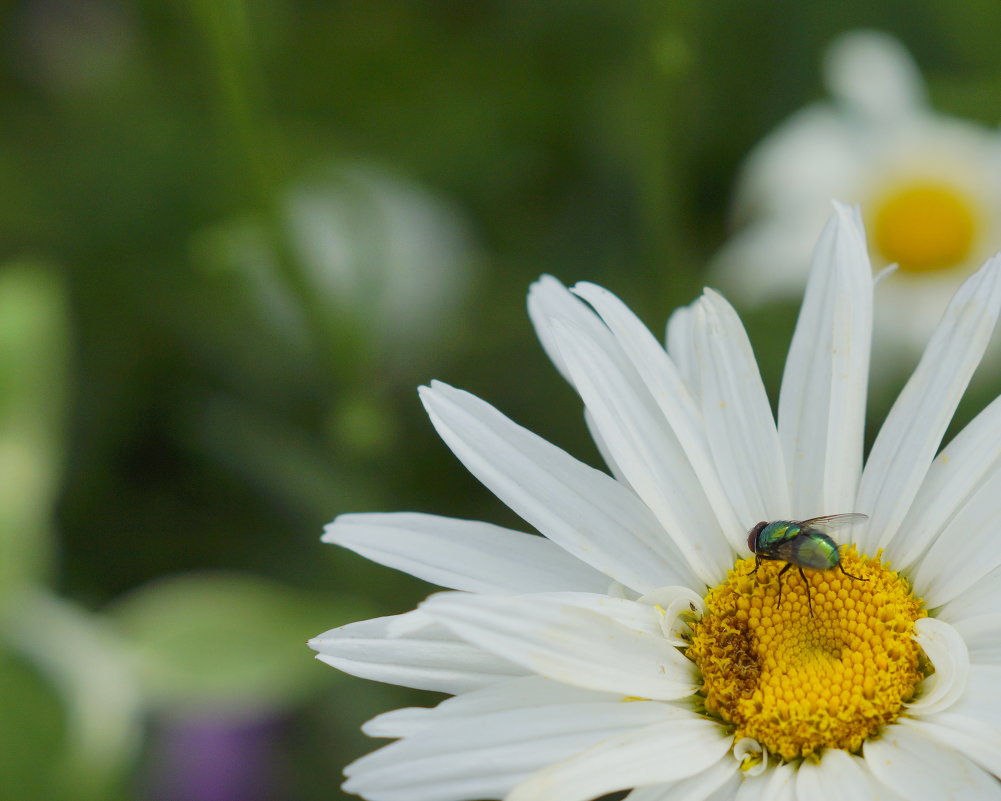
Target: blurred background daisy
(238, 234)
(929, 185)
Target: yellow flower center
(797, 682)
(924, 226)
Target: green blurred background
(236, 237)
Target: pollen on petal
(799, 682)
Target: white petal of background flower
(919, 769)
(661, 752)
(913, 430)
(823, 396)
(485, 756)
(464, 554)
(646, 451)
(738, 418)
(432, 658)
(571, 644)
(874, 75)
(581, 509)
(670, 390)
(947, 651)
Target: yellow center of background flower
(797, 682)
(924, 227)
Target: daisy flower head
(928, 184)
(634, 646)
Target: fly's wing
(784, 551)
(832, 522)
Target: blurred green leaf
(82, 659)
(228, 643)
(31, 731)
(33, 355)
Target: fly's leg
(783, 570)
(809, 601)
(857, 578)
(757, 564)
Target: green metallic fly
(802, 543)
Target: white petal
(582, 509)
(516, 693)
(671, 391)
(874, 75)
(606, 454)
(947, 651)
(919, 769)
(975, 739)
(658, 753)
(574, 645)
(681, 348)
(982, 700)
(701, 786)
(738, 418)
(966, 550)
(982, 635)
(839, 776)
(430, 658)
(647, 452)
(960, 470)
(907, 442)
(982, 597)
(485, 756)
(822, 402)
(779, 784)
(548, 299)
(464, 554)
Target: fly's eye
(752, 536)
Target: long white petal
(670, 389)
(738, 419)
(914, 427)
(548, 299)
(959, 471)
(516, 693)
(658, 753)
(982, 597)
(464, 554)
(647, 452)
(822, 402)
(839, 776)
(428, 658)
(571, 644)
(975, 739)
(681, 348)
(722, 777)
(583, 510)
(982, 699)
(946, 650)
(918, 768)
(484, 757)
(982, 635)
(966, 550)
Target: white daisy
(630, 647)
(929, 186)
